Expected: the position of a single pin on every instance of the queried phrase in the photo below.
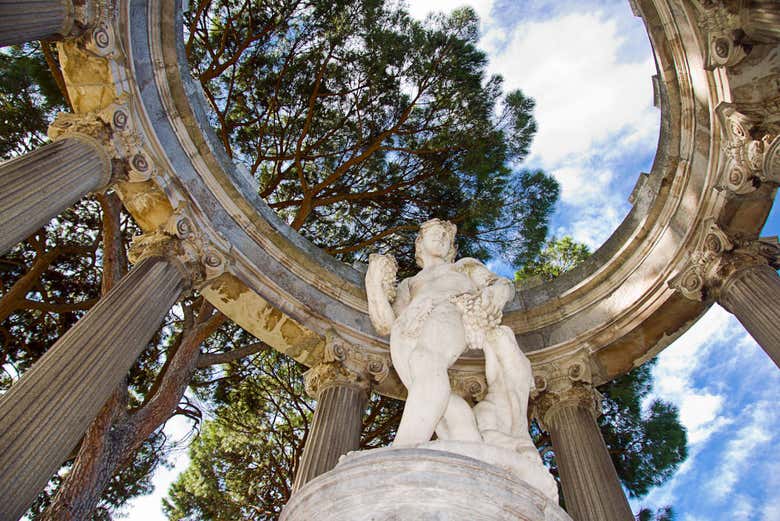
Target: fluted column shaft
(591, 487)
(38, 186)
(335, 430)
(761, 20)
(752, 294)
(26, 20)
(43, 416)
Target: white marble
(419, 484)
(432, 318)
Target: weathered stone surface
(43, 416)
(38, 186)
(419, 485)
(617, 302)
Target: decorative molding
(97, 25)
(749, 160)
(182, 240)
(716, 257)
(344, 364)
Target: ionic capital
(752, 150)
(112, 130)
(93, 21)
(344, 364)
(564, 383)
(717, 258)
(182, 241)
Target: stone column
(341, 385)
(43, 415)
(27, 20)
(36, 187)
(752, 294)
(567, 407)
(761, 20)
(741, 276)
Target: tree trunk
(115, 436)
(99, 456)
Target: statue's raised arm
(381, 291)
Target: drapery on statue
(432, 318)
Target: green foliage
(243, 461)
(557, 257)
(360, 122)
(662, 514)
(28, 98)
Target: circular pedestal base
(418, 485)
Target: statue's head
(436, 238)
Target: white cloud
(755, 432)
(699, 408)
(585, 96)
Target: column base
(420, 484)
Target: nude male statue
(430, 327)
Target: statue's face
(436, 241)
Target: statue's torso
(440, 283)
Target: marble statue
(432, 318)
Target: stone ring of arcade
(618, 307)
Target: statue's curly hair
(450, 228)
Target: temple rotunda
(140, 127)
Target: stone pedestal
(43, 416)
(753, 296)
(38, 186)
(421, 485)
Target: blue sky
(588, 64)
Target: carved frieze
(720, 26)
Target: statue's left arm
(495, 291)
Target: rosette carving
(113, 130)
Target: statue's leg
(458, 422)
(401, 348)
(427, 397)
